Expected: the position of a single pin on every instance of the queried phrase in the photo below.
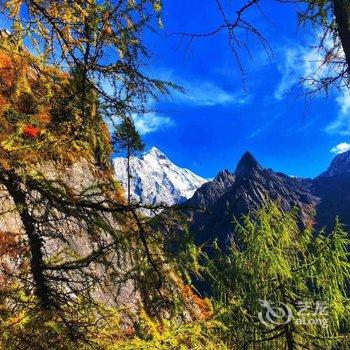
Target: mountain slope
(333, 188)
(339, 165)
(250, 186)
(334, 194)
(156, 180)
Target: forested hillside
(79, 266)
(82, 265)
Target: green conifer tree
(283, 288)
(128, 139)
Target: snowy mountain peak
(155, 179)
(154, 151)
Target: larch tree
(281, 287)
(66, 66)
(127, 138)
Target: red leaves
(31, 131)
(10, 245)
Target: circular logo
(274, 315)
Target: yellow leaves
(54, 326)
(108, 31)
(157, 6)
(34, 94)
(132, 3)
(108, 328)
(14, 7)
(43, 30)
(22, 296)
(54, 9)
(5, 163)
(168, 334)
(18, 320)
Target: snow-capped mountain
(157, 180)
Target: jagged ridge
(232, 195)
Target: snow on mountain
(157, 180)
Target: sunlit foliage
(273, 259)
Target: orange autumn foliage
(203, 304)
(9, 245)
(31, 131)
(32, 103)
(7, 72)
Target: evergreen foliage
(56, 89)
(128, 139)
(273, 260)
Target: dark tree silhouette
(127, 138)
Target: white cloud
(206, 93)
(151, 122)
(290, 69)
(341, 125)
(201, 92)
(308, 64)
(145, 124)
(299, 63)
(341, 148)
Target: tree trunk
(18, 194)
(128, 169)
(342, 17)
(289, 337)
(84, 71)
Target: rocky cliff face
(334, 200)
(70, 236)
(88, 245)
(157, 180)
(339, 165)
(333, 189)
(209, 193)
(231, 196)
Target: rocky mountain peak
(247, 165)
(156, 153)
(339, 165)
(224, 176)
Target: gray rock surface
(69, 237)
(339, 165)
(214, 206)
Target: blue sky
(216, 121)
(210, 127)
